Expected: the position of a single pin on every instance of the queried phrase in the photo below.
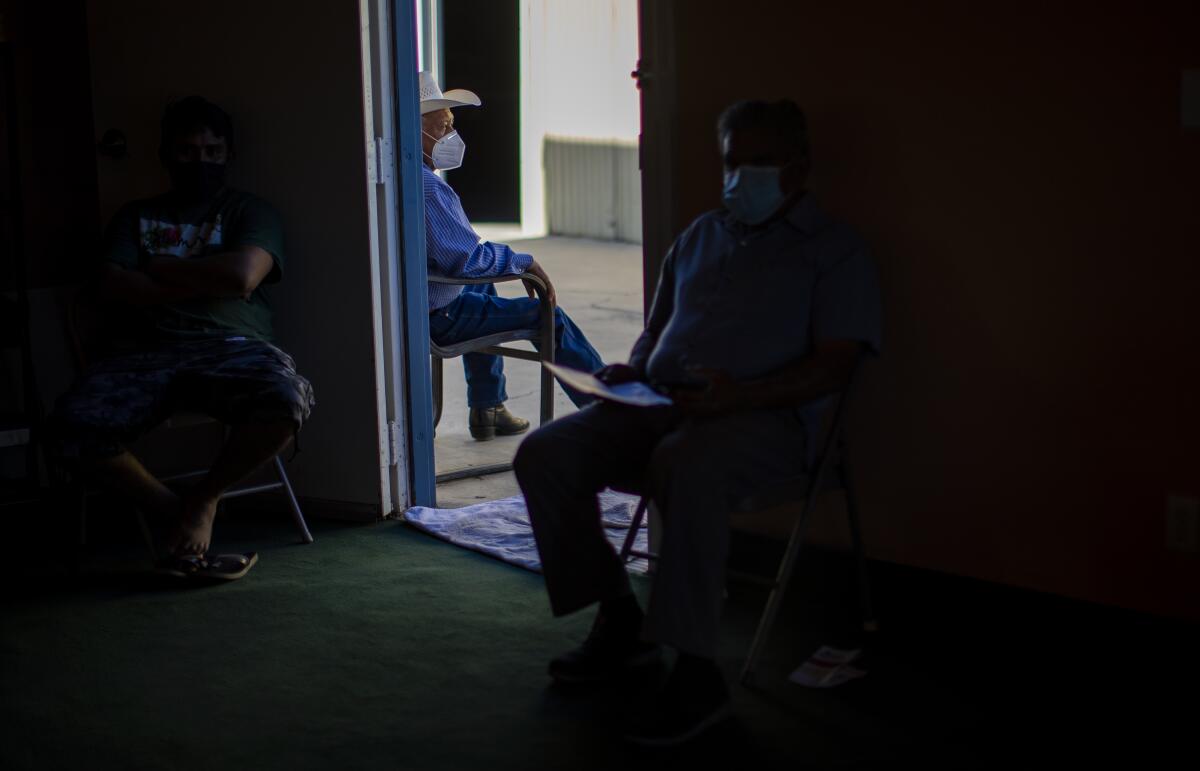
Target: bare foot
(194, 531)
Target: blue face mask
(752, 193)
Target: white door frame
(399, 278)
(397, 213)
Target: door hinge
(393, 443)
(380, 161)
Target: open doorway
(552, 171)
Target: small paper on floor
(827, 668)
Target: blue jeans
(478, 312)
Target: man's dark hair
(785, 117)
(191, 114)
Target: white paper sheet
(827, 668)
(636, 394)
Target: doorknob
(640, 75)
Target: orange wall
(1033, 204)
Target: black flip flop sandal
(214, 567)
(186, 566)
(228, 567)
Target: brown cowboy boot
(490, 422)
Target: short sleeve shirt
(751, 302)
(165, 226)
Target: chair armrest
(545, 306)
(539, 289)
(539, 286)
(470, 281)
(546, 315)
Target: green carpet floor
(380, 647)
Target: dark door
(481, 52)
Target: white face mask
(448, 151)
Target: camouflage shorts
(123, 396)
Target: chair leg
(775, 598)
(634, 525)
(435, 375)
(82, 507)
(72, 502)
(293, 504)
(654, 530)
(547, 341)
(547, 413)
(147, 536)
(870, 624)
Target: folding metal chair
(492, 344)
(830, 473)
(76, 308)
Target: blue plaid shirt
(453, 248)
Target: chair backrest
(92, 326)
(830, 445)
(87, 326)
(78, 308)
(833, 441)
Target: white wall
(576, 59)
(290, 75)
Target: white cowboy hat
(432, 97)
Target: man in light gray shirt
(761, 312)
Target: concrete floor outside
(599, 285)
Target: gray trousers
(695, 470)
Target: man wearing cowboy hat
(453, 249)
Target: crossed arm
(232, 274)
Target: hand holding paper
(633, 393)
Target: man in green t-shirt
(181, 283)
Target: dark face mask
(197, 181)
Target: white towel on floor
(501, 528)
